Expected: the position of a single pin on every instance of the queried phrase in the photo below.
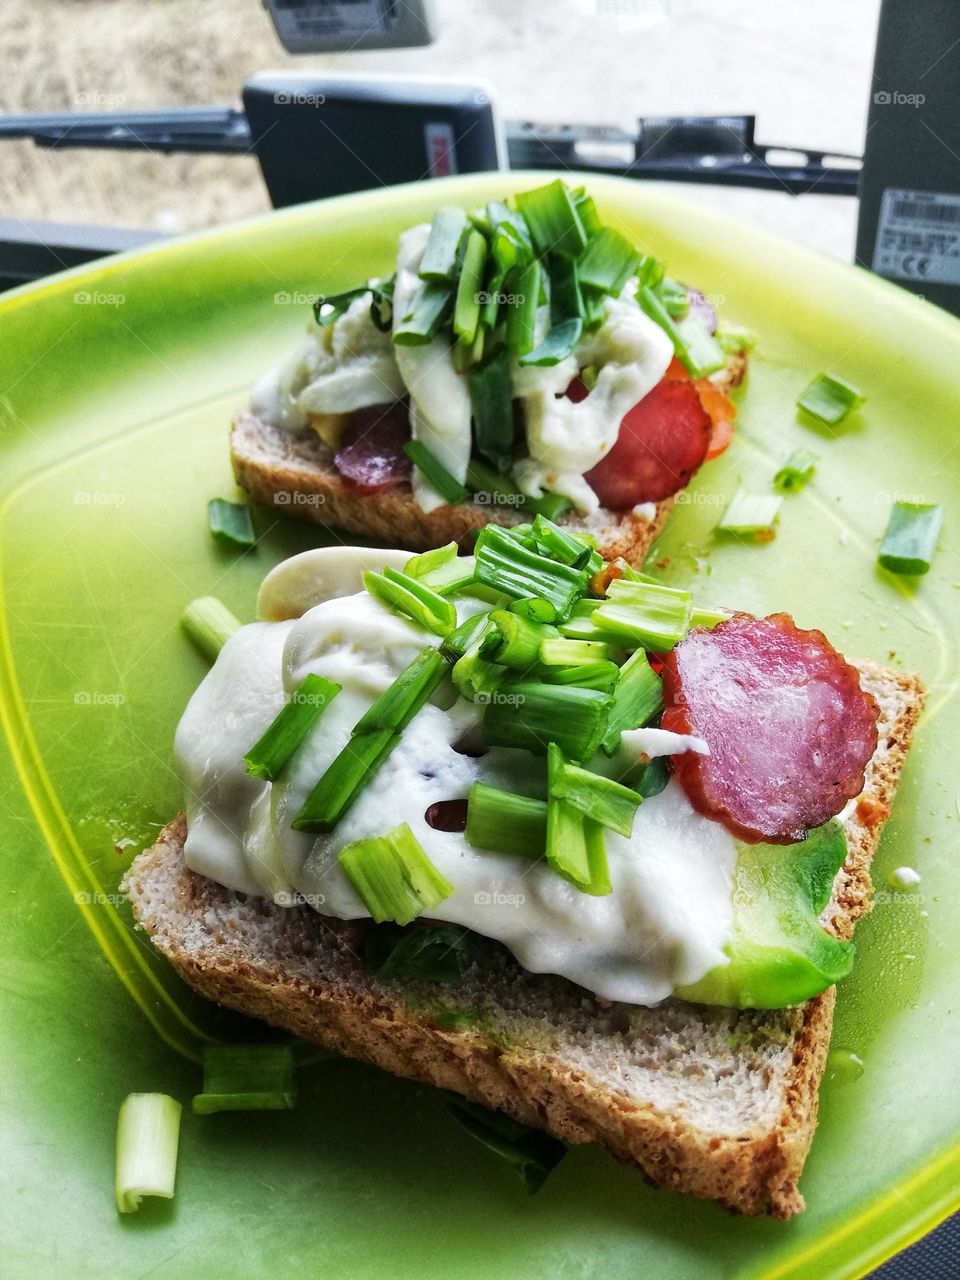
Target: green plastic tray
(117, 383)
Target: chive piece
(830, 399)
(327, 311)
(569, 548)
(532, 608)
(270, 753)
(561, 652)
(557, 345)
(709, 618)
(344, 779)
(381, 302)
(484, 480)
(505, 822)
(441, 256)
(148, 1135)
(503, 563)
(645, 614)
(649, 271)
(393, 876)
(416, 953)
(456, 644)
(911, 537)
(752, 515)
(532, 1153)
(502, 218)
(593, 317)
(637, 698)
(566, 298)
(575, 844)
(209, 624)
(519, 640)
(523, 292)
(592, 675)
(475, 678)
(247, 1077)
(397, 705)
(428, 306)
(587, 210)
(466, 307)
(443, 569)
(491, 400)
(536, 713)
(654, 778)
(796, 471)
(552, 217)
(608, 262)
(581, 626)
(605, 801)
(698, 352)
(231, 522)
(414, 598)
(436, 474)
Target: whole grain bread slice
(295, 473)
(720, 1103)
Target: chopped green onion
(436, 474)
(569, 548)
(524, 286)
(466, 307)
(733, 340)
(566, 298)
(637, 698)
(674, 297)
(830, 399)
(441, 256)
(649, 271)
(491, 400)
(381, 302)
(532, 1153)
(576, 848)
(148, 1135)
(372, 739)
(231, 522)
(393, 876)
(709, 618)
(417, 953)
(505, 822)
(428, 306)
(796, 471)
(608, 262)
(593, 317)
(413, 597)
(645, 614)
(533, 609)
(581, 626)
(605, 801)
(515, 641)
(535, 714)
(696, 349)
(344, 779)
(751, 515)
(270, 753)
(573, 653)
(911, 537)
(502, 218)
(552, 217)
(247, 1077)
(587, 210)
(557, 345)
(456, 644)
(209, 624)
(503, 563)
(592, 675)
(442, 568)
(398, 704)
(327, 311)
(476, 678)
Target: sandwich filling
(669, 899)
(522, 344)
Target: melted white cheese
(670, 913)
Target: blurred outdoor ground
(805, 70)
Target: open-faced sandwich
(538, 830)
(522, 359)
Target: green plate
(117, 383)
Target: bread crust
(295, 473)
(301, 972)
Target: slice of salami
(789, 728)
(371, 450)
(662, 441)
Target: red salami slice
(371, 450)
(789, 729)
(662, 441)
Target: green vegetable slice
(414, 598)
(442, 254)
(436, 474)
(552, 217)
(270, 753)
(796, 471)
(751, 515)
(231, 522)
(209, 624)
(148, 1135)
(637, 699)
(911, 537)
(644, 614)
(506, 823)
(529, 715)
(393, 876)
(830, 399)
(247, 1077)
